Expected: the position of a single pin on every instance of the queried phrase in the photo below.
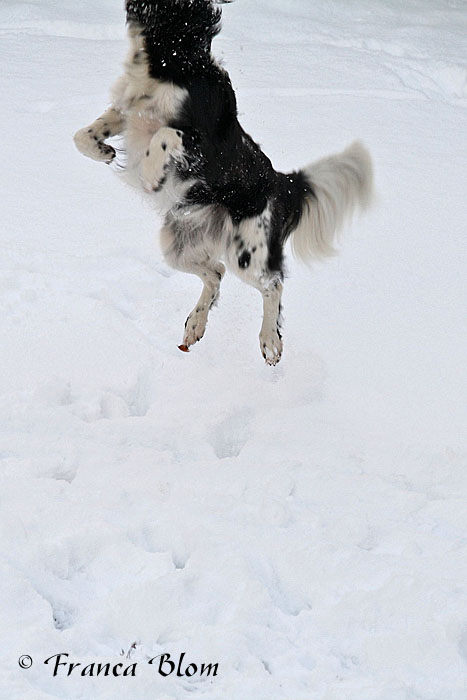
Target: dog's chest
(143, 99)
(147, 104)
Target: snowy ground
(305, 527)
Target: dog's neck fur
(136, 92)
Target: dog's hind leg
(196, 261)
(90, 140)
(248, 256)
(166, 144)
(211, 274)
(270, 338)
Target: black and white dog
(221, 197)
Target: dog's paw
(89, 144)
(107, 151)
(271, 347)
(164, 145)
(195, 327)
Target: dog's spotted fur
(221, 197)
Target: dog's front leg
(165, 145)
(90, 140)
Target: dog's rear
(338, 186)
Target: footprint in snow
(229, 437)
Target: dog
(223, 202)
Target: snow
(303, 526)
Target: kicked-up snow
(304, 527)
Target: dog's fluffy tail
(339, 185)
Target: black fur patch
(244, 260)
(178, 35)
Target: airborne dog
(222, 200)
